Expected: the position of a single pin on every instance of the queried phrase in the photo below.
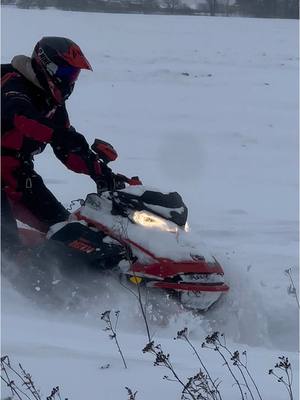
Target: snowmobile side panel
(190, 287)
(31, 237)
(168, 268)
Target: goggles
(67, 74)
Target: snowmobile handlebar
(133, 181)
(106, 153)
(118, 181)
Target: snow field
(207, 107)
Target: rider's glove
(103, 176)
(120, 181)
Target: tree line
(250, 8)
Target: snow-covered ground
(207, 107)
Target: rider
(34, 91)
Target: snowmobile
(156, 249)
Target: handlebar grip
(134, 181)
(104, 150)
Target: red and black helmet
(57, 62)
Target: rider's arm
(73, 151)
(69, 146)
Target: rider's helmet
(57, 62)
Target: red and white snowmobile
(139, 233)
(152, 228)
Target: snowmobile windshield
(167, 206)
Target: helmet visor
(65, 78)
(67, 74)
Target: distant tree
(97, 5)
(8, 2)
(249, 7)
(172, 5)
(244, 7)
(24, 3)
(185, 9)
(75, 5)
(212, 6)
(255, 8)
(227, 7)
(201, 7)
(263, 8)
(149, 5)
(42, 4)
(267, 8)
(289, 8)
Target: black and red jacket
(29, 121)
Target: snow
(204, 106)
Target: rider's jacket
(30, 121)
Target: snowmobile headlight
(150, 220)
(186, 227)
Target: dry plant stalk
(138, 295)
(285, 366)
(162, 359)
(131, 394)
(112, 328)
(16, 380)
(210, 386)
(217, 342)
(292, 288)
